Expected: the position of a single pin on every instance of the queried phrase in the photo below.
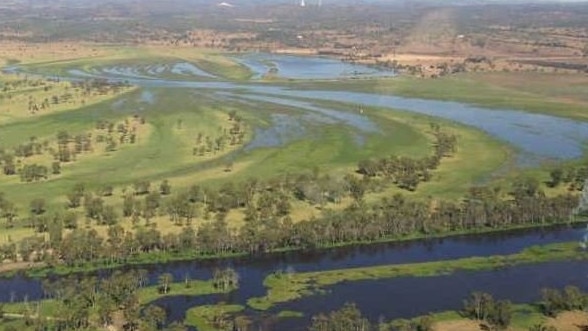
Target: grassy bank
(286, 287)
(210, 317)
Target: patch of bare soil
(460, 325)
(16, 266)
(570, 321)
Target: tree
(128, 205)
(142, 187)
(478, 305)
(556, 177)
(56, 168)
(225, 279)
(348, 318)
(37, 206)
(482, 307)
(164, 282)
(165, 188)
(501, 315)
(75, 195)
(154, 316)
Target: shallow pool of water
(300, 67)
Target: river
(537, 137)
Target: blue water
(299, 67)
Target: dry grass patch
(460, 325)
(570, 321)
(41, 52)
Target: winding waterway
(537, 137)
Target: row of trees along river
(267, 206)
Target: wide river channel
(535, 136)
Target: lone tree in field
(164, 282)
(38, 206)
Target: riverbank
(283, 286)
(521, 91)
(152, 258)
(524, 316)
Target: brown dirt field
(461, 325)
(14, 266)
(570, 321)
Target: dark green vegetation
(283, 286)
(123, 299)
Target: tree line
(405, 172)
(268, 225)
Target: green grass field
(556, 94)
(204, 317)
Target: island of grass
(215, 317)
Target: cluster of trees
(99, 86)
(268, 226)
(88, 302)
(33, 173)
(573, 177)
(495, 314)
(234, 135)
(346, 318)
(225, 279)
(407, 172)
(556, 301)
(349, 318)
(84, 88)
(127, 132)
(67, 148)
(84, 302)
